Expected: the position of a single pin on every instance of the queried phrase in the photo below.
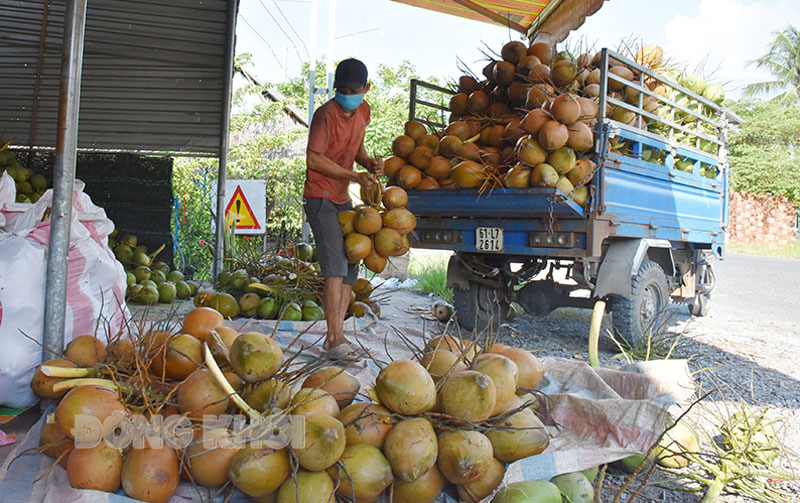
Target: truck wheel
(649, 298)
(479, 308)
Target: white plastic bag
(95, 284)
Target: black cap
(350, 73)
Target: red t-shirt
(337, 137)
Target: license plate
(489, 239)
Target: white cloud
(728, 33)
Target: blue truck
(655, 220)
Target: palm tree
(783, 62)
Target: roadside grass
(430, 271)
(792, 250)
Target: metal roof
(153, 74)
(553, 19)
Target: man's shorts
(322, 215)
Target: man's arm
(321, 164)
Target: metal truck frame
(647, 233)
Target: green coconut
(532, 491)
(574, 487)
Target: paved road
(749, 286)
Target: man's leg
(333, 301)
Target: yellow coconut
(503, 373)
(464, 456)
(518, 436)
(404, 386)
(362, 474)
(324, 442)
(314, 400)
(423, 490)
(468, 395)
(366, 423)
(475, 491)
(411, 448)
(341, 384)
(441, 363)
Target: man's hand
(364, 179)
(375, 165)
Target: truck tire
(479, 308)
(649, 299)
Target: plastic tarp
(552, 20)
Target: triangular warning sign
(241, 211)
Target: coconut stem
(594, 332)
(50, 371)
(74, 383)
(226, 386)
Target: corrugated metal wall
(152, 74)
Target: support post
(63, 178)
(331, 33)
(222, 174)
(312, 91)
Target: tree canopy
(765, 152)
(783, 62)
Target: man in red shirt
(335, 143)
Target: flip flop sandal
(346, 352)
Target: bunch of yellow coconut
(528, 123)
(454, 414)
(378, 228)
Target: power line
(292, 27)
(279, 25)
(271, 50)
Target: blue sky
(717, 35)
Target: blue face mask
(349, 101)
